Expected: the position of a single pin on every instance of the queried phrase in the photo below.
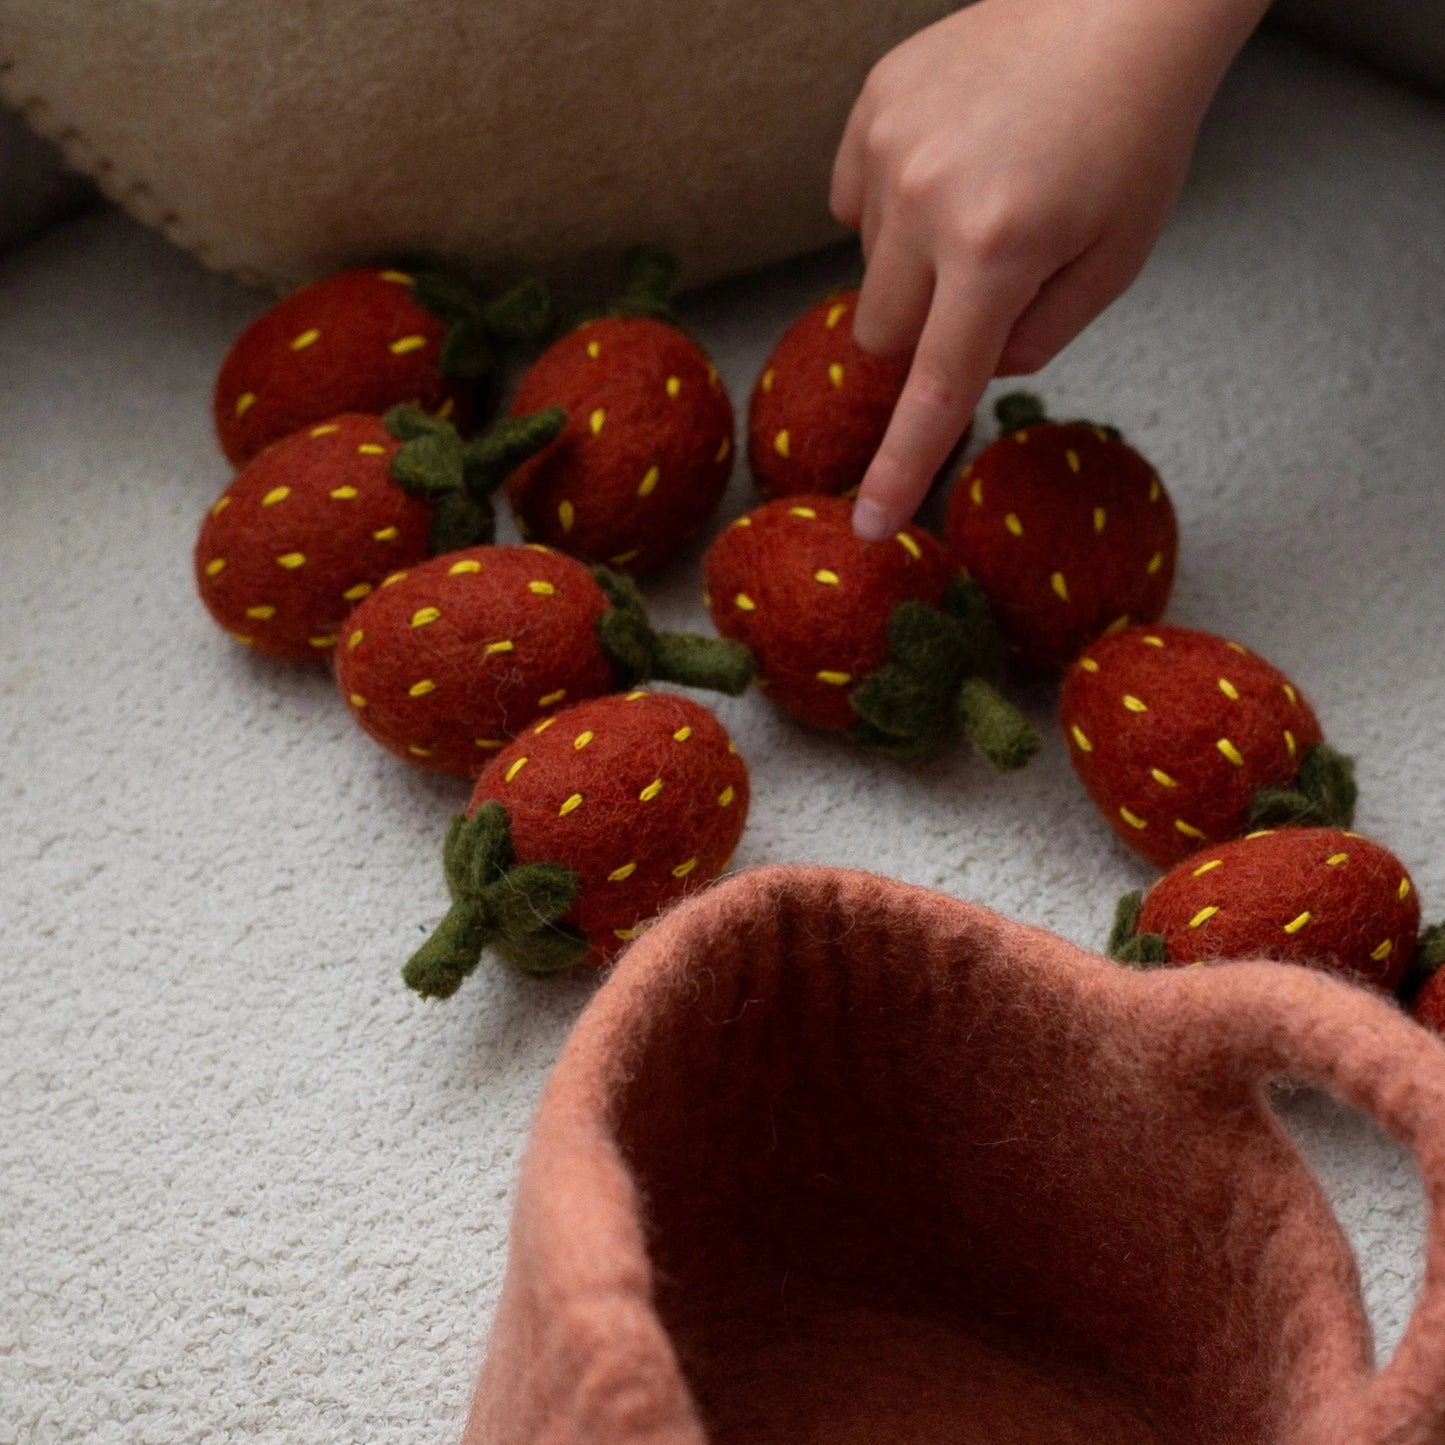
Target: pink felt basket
(834, 1159)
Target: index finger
(967, 326)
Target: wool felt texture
(820, 405)
(1317, 896)
(1427, 1003)
(647, 452)
(638, 799)
(250, 1185)
(313, 523)
(916, 1194)
(445, 662)
(1068, 530)
(1176, 732)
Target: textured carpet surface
(249, 1187)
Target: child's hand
(1010, 169)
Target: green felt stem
(710, 662)
(437, 968)
(489, 460)
(1019, 410)
(648, 276)
(995, 726)
(1324, 795)
(521, 315)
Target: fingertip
(871, 521)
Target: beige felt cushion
(282, 138)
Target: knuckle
(934, 390)
(994, 230)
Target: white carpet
(251, 1189)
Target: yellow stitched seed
(245, 402)
(835, 679)
(552, 698)
(1153, 489)
(1060, 586)
(356, 700)
(305, 339)
(541, 588)
(1228, 689)
(1088, 664)
(386, 534)
(537, 547)
(633, 696)
(1203, 916)
(781, 443)
(723, 448)
(827, 578)
(325, 429)
(743, 522)
(241, 638)
(343, 494)
(1237, 647)
(1152, 641)
(975, 491)
(1072, 457)
(1100, 518)
(707, 599)
(711, 374)
(1162, 778)
(768, 379)
(1188, 830)
(446, 408)
(651, 790)
(1291, 694)
(1155, 563)
(543, 725)
(683, 869)
(1101, 434)
(276, 494)
(404, 344)
(321, 642)
(215, 565)
(1259, 833)
(493, 743)
(732, 747)
(1117, 625)
(1021, 437)
(582, 739)
(744, 603)
(909, 545)
(1081, 738)
(1295, 924)
(399, 278)
(618, 874)
(594, 349)
(292, 560)
(493, 647)
(806, 512)
(567, 515)
(1231, 752)
(261, 614)
(1335, 859)
(1133, 819)
(354, 640)
(725, 798)
(420, 689)
(596, 421)
(469, 564)
(674, 385)
(1135, 704)
(570, 806)
(1383, 952)
(625, 934)
(1404, 889)
(682, 735)
(221, 505)
(836, 313)
(645, 486)
(623, 558)
(1208, 867)
(835, 373)
(371, 449)
(1290, 743)
(418, 752)
(517, 765)
(1013, 524)
(425, 616)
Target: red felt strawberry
(821, 405)
(1068, 531)
(870, 638)
(444, 663)
(364, 341)
(1184, 739)
(581, 830)
(1424, 987)
(312, 524)
(1298, 895)
(648, 451)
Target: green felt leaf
(539, 954)
(459, 521)
(623, 630)
(519, 316)
(532, 896)
(1019, 410)
(1126, 922)
(408, 421)
(429, 465)
(1144, 950)
(1327, 779)
(477, 851)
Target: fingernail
(870, 521)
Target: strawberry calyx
(1126, 944)
(1429, 959)
(1019, 410)
(935, 685)
(513, 909)
(639, 654)
(1324, 794)
(479, 331)
(458, 478)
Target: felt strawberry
(1184, 739)
(1068, 531)
(446, 662)
(1297, 895)
(1423, 990)
(312, 524)
(870, 638)
(820, 406)
(648, 450)
(587, 825)
(363, 341)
